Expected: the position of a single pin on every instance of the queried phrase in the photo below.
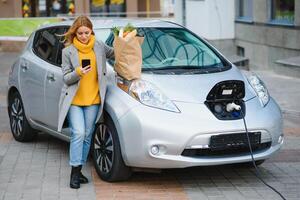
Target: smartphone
(85, 62)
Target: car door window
(48, 44)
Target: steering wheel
(169, 59)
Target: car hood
(195, 88)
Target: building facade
(268, 33)
(212, 20)
(107, 8)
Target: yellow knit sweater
(88, 91)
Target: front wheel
(106, 153)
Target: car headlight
(260, 89)
(149, 95)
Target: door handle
(51, 77)
(24, 66)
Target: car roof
(109, 23)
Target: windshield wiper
(187, 69)
(172, 68)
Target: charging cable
(257, 174)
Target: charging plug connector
(232, 106)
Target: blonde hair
(78, 22)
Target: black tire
(19, 125)
(106, 153)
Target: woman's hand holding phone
(85, 66)
(86, 69)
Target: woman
(82, 96)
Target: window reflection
(283, 10)
(47, 8)
(244, 9)
(109, 8)
(173, 47)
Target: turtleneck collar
(84, 48)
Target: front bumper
(144, 127)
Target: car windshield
(176, 50)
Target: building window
(26, 8)
(244, 10)
(47, 8)
(240, 51)
(109, 8)
(282, 11)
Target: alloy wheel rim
(17, 117)
(104, 148)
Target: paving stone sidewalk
(39, 169)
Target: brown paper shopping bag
(128, 57)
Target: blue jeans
(82, 123)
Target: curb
(12, 44)
(13, 38)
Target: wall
(13, 8)
(154, 5)
(82, 6)
(178, 12)
(132, 7)
(264, 44)
(211, 19)
(297, 14)
(226, 46)
(10, 8)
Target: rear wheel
(106, 153)
(19, 125)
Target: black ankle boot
(75, 180)
(82, 178)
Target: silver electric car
(191, 107)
